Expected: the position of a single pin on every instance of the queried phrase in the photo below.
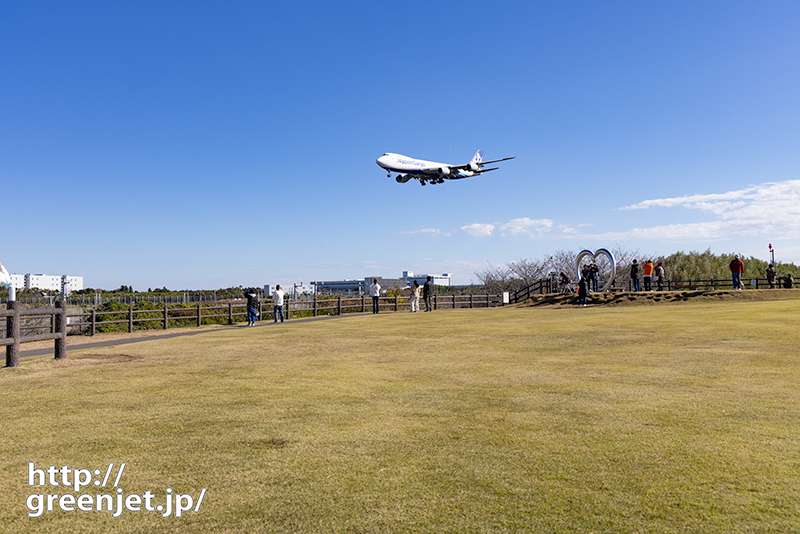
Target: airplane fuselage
(432, 171)
(418, 167)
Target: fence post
(166, 316)
(200, 322)
(12, 330)
(363, 304)
(61, 330)
(471, 300)
(230, 313)
(130, 320)
(94, 320)
(396, 308)
(339, 305)
(315, 305)
(436, 302)
(288, 311)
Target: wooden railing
(15, 315)
(549, 286)
(540, 287)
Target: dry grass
(623, 419)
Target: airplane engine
(403, 178)
(443, 171)
(474, 167)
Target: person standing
(252, 306)
(277, 297)
(415, 290)
(585, 274)
(594, 276)
(375, 293)
(660, 276)
(771, 274)
(427, 294)
(737, 268)
(648, 275)
(583, 289)
(635, 276)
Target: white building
(361, 286)
(445, 279)
(46, 281)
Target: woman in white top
(375, 293)
(415, 290)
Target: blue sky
(209, 144)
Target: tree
(495, 278)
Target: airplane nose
(380, 161)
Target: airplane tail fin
(478, 157)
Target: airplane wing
(468, 166)
(496, 160)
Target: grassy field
(670, 418)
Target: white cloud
(524, 225)
(478, 229)
(771, 208)
(431, 231)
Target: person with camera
(252, 306)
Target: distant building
(301, 289)
(359, 286)
(445, 279)
(46, 281)
(341, 287)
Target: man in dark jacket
(635, 276)
(427, 294)
(583, 289)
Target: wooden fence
(550, 286)
(57, 321)
(15, 316)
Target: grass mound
(558, 300)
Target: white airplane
(432, 171)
